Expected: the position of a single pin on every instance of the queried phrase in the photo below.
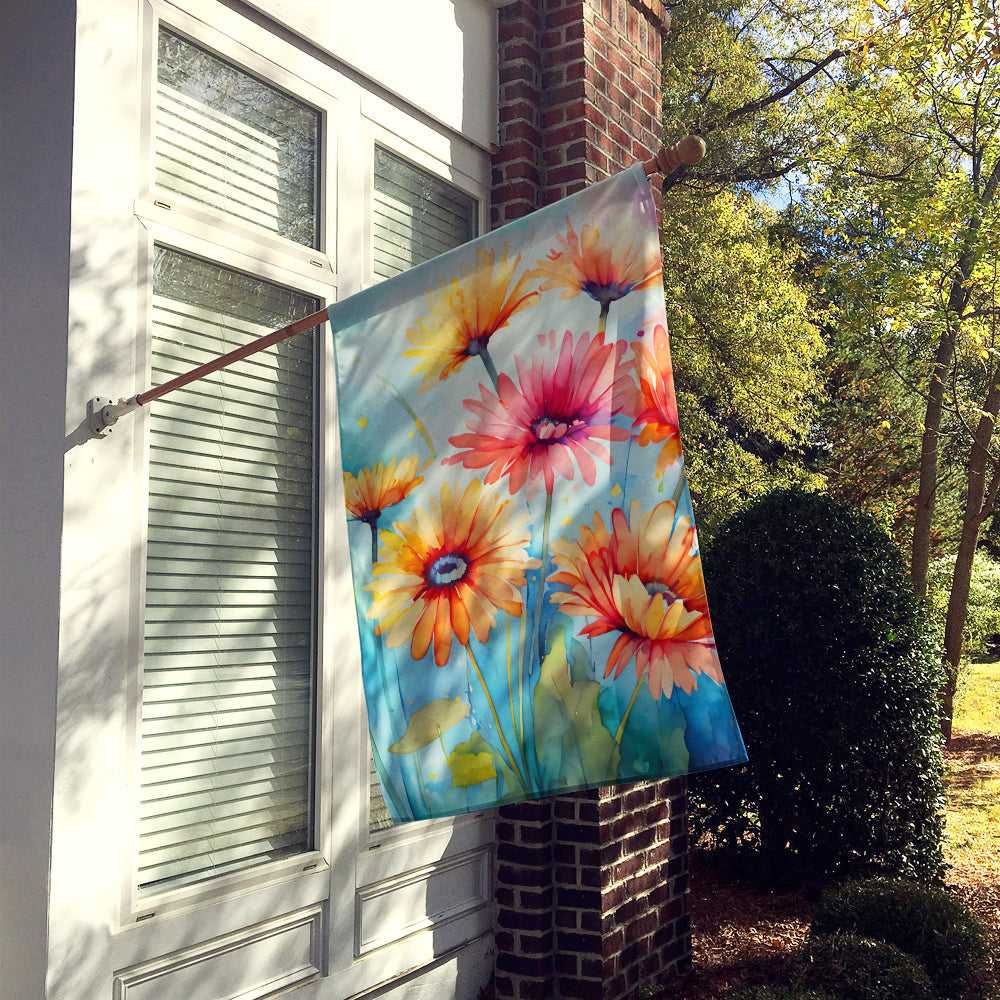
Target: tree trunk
(920, 553)
(958, 300)
(979, 499)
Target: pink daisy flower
(556, 419)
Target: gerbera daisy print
(556, 419)
(531, 609)
(606, 262)
(642, 582)
(653, 403)
(465, 312)
(447, 571)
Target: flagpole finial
(688, 151)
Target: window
(228, 685)
(229, 646)
(228, 140)
(415, 217)
(252, 804)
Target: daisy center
(655, 587)
(477, 346)
(550, 430)
(607, 292)
(447, 569)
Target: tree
(915, 186)
(748, 356)
(748, 359)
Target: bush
(925, 922)
(856, 968)
(833, 674)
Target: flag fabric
(527, 577)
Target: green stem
(491, 369)
(420, 776)
(518, 708)
(679, 491)
(496, 719)
(603, 319)
(387, 784)
(522, 646)
(621, 727)
(543, 573)
(374, 527)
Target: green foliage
(857, 968)
(924, 921)
(833, 674)
(747, 355)
(983, 611)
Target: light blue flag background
(527, 577)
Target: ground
(741, 935)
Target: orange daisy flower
(379, 486)
(607, 264)
(643, 581)
(653, 404)
(465, 313)
(448, 570)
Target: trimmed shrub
(925, 922)
(856, 968)
(833, 673)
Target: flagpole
(687, 152)
(103, 413)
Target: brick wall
(579, 96)
(591, 889)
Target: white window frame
(352, 874)
(180, 224)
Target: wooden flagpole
(102, 414)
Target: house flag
(527, 577)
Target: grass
(972, 848)
(978, 698)
(973, 784)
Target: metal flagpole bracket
(103, 413)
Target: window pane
(226, 139)
(416, 215)
(228, 654)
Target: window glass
(231, 141)
(228, 679)
(416, 216)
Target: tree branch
(754, 106)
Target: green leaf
(429, 722)
(571, 742)
(471, 762)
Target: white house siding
(36, 116)
(410, 912)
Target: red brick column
(591, 889)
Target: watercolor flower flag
(527, 577)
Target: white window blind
(416, 216)
(228, 140)
(226, 754)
